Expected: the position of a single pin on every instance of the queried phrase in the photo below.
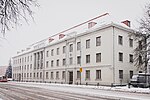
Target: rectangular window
(131, 74)
(64, 62)
(27, 74)
(120, 74)
(52, 75)
(87, 58)
(52, 52)
(98, 57)
(31, 58)
(40, 75)
(30, 74)
(57, 51)
(47, 64)
(98, 74)
(30, 66)
(120, 40)
(46, 75)
(131, 58)
(87, 74)
(78, 74)
(47, 53)
(71, 61)
(37, 75)
(87, 43)
(64, 49)
(52, 63)
(57, 64)
(78, 45)
(63, 74)
(57, 75)
(71, 48)
(78, 59)
(120, 56)
(130, 42)
(98, 41)
(34, 75)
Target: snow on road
(115, 92)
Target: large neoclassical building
(98, 53)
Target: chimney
(51, 39)
(61, 36)
(126, 22)
(91, 24)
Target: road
(33, 91)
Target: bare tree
(142, 52)
(13, 11)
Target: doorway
(70, 77)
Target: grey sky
(54, 16)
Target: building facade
(101, 55)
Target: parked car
(140, 80)
(3, 79)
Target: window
(78, 74)
(40, 74)
(78, 59)
(24, 75)
(121, 74)
(87, 58)
(47, 64)
(37, 75)
(120, 56)
(88, 43)
(27, 74)
(120, 40)
(98, 57)
(131, 74)
(57, 51)
(98, 74)
(98, 41)
(78, 45)
(131, 42)
(47, 53)
(28, 59)
(71, 61)
(52, 52)
(64, 49)
(46, 75)
(71, 47)
(87, 74)
(30, 74)
(57, 64)
(57, 75)
(63, 74)
(31, 58)
(34, 75)
(52, 63)
(64, 62)
(30, 66)
(25, 67)
(131, 58)
(52, 75)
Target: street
(41, 91)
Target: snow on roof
(100, 21)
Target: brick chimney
(91, 24)
(126, 22)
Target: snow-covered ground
(123, 93)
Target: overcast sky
(54, 16)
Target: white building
(103, 53)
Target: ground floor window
(121, 74)
(52, 75)
(78, 74)
(87, 76)
(57, 75)
(46, 75)
(63, 74)
(131, 74)
(98, 74)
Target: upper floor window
(52, 52)
(71, 47)
(47, 75)
(47, 64)
(87, 58)
(87, 76)
(98, 57)
(131, 42)
(57, 75)
(63, 74)
(57, 51)
(88, 43)
(71, 61)
(120, 74)
(78, 45)
(52, 63)
(52, 75)
(120, 56)
(64, 62)
(47, 53)
(78, 59)
(131, 58)
(57, 63)
(120, 40)
(64, 49)
(98, 41)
